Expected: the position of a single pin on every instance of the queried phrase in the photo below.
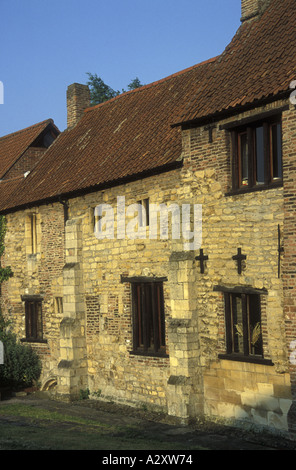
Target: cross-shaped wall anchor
(210, 128)
(202, 258)
(239, 258)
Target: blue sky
(45, 45)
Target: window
(58, 304)
(97, 221)
(33, 318)
(243, 325)
(144, 213)
(148, 317)
(33, 233)
(257, 154)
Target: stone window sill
(161, 355)
(28, 340)
(241, 358)
(263, 187)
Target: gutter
(63, 198)
(226, 113)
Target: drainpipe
(66, 209)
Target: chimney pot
(78, 99)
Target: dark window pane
(237, 314)
(259, 155)
(244, 330)
(149, 315)
(33, 312)
(140, 317)
(243, 155)
(160, 305)
(255, 336)
(276, 151)
(149, 335)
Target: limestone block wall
(36, 272)
(185, 385)
(72, 374)
(89, 343)
(288, 268)
(113, 370)
(258, 393)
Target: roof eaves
(91, 189)
(26, 129)
(232, 111)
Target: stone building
(153, 246)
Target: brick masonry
(251, 8)
(289, 146)
(78, 99)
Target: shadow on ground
(38, 422)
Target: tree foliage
(22, 366)
(101, 92)
(5, 273)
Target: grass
(42, 414)
(24, 427)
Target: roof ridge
(152, 84)
(27, 128)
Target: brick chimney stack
(78, 99)
(253, 8)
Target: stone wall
(114, 371)
(289, 146)
(90, 343)
(251, 8)
(39, 273)
(259, 393)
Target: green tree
(101, 92)
(22, 366)
(135, 83)
(5, 273)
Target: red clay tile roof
(126, 136)
(259, 63)
(13, 146)
(133, 134)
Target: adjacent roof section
(127, 136)
(258, 64)
(138, 132)
(13, 146)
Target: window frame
(245, 293)
(33, 319)
(33, 229)
(248, 127)
(58, 304)
(32, 235)
(231, 316)
(148, 316)
(143, 215)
